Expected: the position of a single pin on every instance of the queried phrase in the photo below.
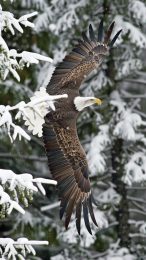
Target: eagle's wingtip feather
(100, 31)
(91, 210)
(78, 215)
(108, 33)
(91, 33)
(114, 39)
(86, 216)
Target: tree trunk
(122, 214)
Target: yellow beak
(98, 101)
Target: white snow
(23, 181)
(127, 122)
(129, 66)
(70, 236)
(65, 21)
(95, 156)
(59, 257)
(142, 228)
(135, 169)
(138, 10)
(5, 199)
(11, 60)
(33, 114)
(109, 196)
(115, 252)
(51, 206)
(8, 21)
(6, 121)
(18, 249)
(135, 35)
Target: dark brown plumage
(66, 157)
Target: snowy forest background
(113, 135)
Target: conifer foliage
(113, 135)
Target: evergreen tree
(113, 135)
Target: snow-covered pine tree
(17, 190)
(113, 135)
(118, 150)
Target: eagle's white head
(82, 102)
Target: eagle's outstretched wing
(67, 163)
(66, 157)
(86, 56)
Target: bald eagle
(66, 157)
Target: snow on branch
(33, 114)
(102, 80)
(51, 206)
(127, 122)
(138, 10)
(15, 189)
(71, 238)
(128, 66)
(118, 253)
(142, 228)
(7, 204)
(135, 169)
(140, 224)
(109, 196)
(6, 121)
(10, 249)
(40, 5)
(134, 34)
(11, 60)
(10, 22)
(69, 16)
(95, 154)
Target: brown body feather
(66, 157)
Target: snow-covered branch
(51, 206)
(110, 196)
(117, 252)
(11, 60)
(6, 121)
(32, 113)
(10, 22)
(10, 249)
(135, 35)
(135, 5)
(16, 188)
(135, 169)
(127, 122)
(95, 155)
